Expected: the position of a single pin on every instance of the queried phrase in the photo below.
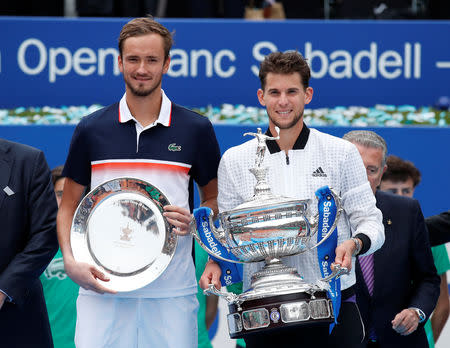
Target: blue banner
(46, 61)
(231, 272)
(326, 252)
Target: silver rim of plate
(119, 228)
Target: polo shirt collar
(164, 116)
(300, 143)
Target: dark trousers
(349, 333)
(300, 336)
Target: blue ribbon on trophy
(326, 251)
(231, 272)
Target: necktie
(366, 263)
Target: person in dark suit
(27, 244)
(403, 290)
(402, 178)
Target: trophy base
(277, 312)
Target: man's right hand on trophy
(211, 275)
(86, 276)
(344, 253)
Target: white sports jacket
(317, 159)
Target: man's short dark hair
(143, 26)
(57, 174)
(399, 170)
(285, 63)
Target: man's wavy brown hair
(285, 63)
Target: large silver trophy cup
(267, 228)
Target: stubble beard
(293, 123)
(142, 92)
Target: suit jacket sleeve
(39, 231)
(426, 282)
(439, 228)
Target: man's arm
(204, 172)
(208, 196)
(41, 244)
(81, 273)
(442, 310)
(211, 310)
(425, 281)
(181, 218)
(212, 272)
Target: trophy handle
(339, 210)
(337, 272)
(195, 233)
(228, 296)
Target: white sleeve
(228, 197)
(359, 201)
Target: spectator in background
(32, 8)
(439, 9)
(397, 287)
(167, 8)
(95, 8)
(116, 8)
(27, 244)
(60, 291)
(205, 8)
(312, 9)
(58, 183)
(439, 228)
(354, 9)
(377, 9)
(402, 177)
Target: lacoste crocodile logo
(56, 269)
(174, 147)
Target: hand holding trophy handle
(228, 296)
(207, 227)
(338, 271)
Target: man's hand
(86, 276)
(405, 322)
(2, 299)
(211, 275)
(179, 217)
(344, 252)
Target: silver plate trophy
(119, 228)
(267, 228)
